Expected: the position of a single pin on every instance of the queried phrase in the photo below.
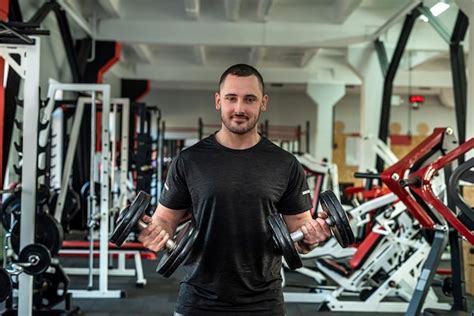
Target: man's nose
(239, 106)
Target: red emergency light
(416, 99)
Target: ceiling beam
(143, 52)
(192, 8)
(77, 17)
(210, 74)
(401, 14)
(256, 54)
(232, 9)
(112, 7)
(287, 75)
(250, 34)
(308, 55)
(263, 9)
(344, 8)
(413, 59)
(246, 34)
(200, 54)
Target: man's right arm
(160, 227)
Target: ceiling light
(439, 8)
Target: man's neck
(237, 141)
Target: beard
(240, 128)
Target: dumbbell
(337, 221)
(176, 250)
(34, 259)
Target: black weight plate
(72, 205)
(129, 218)
(48, 232)
(172, 259)
(39, 251)
(55, 285)
(341, 229)
(10, 206)
(283, 242)
(5, 285)
(42, 195)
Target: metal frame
(28, 70)
(392, 175)
(103, 291)
(121, 269)
(390, 76)
(458, 70)
(394, 246)
(425, 191)
(428, 272)
(125, 112)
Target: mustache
(239, 115)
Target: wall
(183, 107)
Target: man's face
(240, 102)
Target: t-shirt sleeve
(296, 199)
(175, 194)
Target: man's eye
(250, 100)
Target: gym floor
(159, 296)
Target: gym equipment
(48, 232)
(337, 220)
(11, 206)
(34, 259)
(176, 250)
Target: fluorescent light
(439, 8)
(436, 10)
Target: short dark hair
(242, 70)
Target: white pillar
(325, 96)
(467, 6)
(365, 63)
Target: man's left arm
(314, 230)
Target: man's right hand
(154, 236)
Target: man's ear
(217, 98)
(263, 106)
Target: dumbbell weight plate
(341, 229)
(282, 241)
(10, 206)
(39, 251)
(48, 232)
(171, 259)
(129, 218)
(5, 285)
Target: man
(233, 180)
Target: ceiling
(188, 43)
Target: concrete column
(325, 96)
(364, 61)
(467, 6)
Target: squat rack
(28, 69)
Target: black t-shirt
(233, 266)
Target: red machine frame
(420, 181)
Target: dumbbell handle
(298, 235)
(17, 267)
(170, 244)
